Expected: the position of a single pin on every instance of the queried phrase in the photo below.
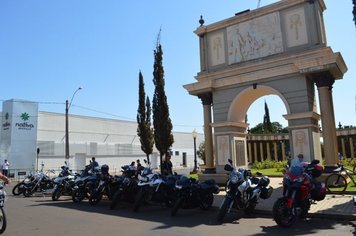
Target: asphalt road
(37, 216)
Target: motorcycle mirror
(228, 167)
(230, 161)
(258, 174)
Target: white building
(114, 142)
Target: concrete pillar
(275, 151)
(209, 150)
(343, 149)
(261, 152)
(283, 151)
(324, 83)
(351, 148)
(250, 156)
(268, 151)
(255, 151)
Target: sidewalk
(334, 206)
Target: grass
(269, 172)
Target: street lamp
(195, 134)
(68, 104)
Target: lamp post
(68, 104)
(195, 134)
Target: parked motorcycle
(18, 189)
(41, 183)
(64, 183)
(85, 183)
(300, 190)
(127, 187)
(243, 191)
(153, 187)
(107, 186)
(194, 194)
(3, 222)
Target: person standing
(5, 168)
(93, 164)
(167, 166)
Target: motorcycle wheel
(207, 201)
(224, 208)
(281, 214)
(78, 195)
(3, 221)
(27, 192)
(57, 193)
(176, 206)
(139, 199)
(95, 198)
(115, 199)
(18, 189)
(250, 208)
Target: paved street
(39, 215)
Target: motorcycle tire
(57, 193)
(27, 192)
(95, 198)
(78, 196)
(224, 208)
(250, 208)
(18, 189)
(176, 206)
(139, 199)
(3, 222)
(282, 215)
(207, 201)
(115, 199)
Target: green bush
(269, 164)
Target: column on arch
(324, 82)
(207, 100)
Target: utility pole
(68, 104)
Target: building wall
(112, 142)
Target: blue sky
(50, 48)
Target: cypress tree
(162, 124)
(267, 125)
(354, 10)
(144, 130)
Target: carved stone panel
(255, 38)
(295, 27)
(216, 49)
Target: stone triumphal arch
(279, 49)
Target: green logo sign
(25, 116)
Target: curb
(316, 215)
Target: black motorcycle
(41, 183)
(194, 194)
(155, 188)
(18, 189)
(64, 183)
(127, 187)
(243, 191)
(85, 183)
(107, 186)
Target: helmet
(105, 169)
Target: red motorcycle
(300, 190)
